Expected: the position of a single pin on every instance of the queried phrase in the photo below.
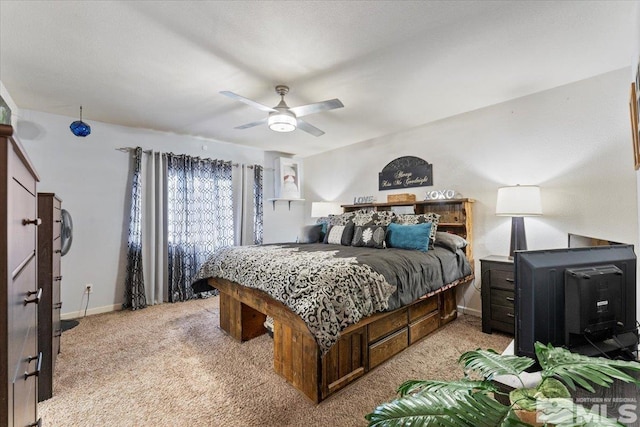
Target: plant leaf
(461, 386)
(575, 368)
(437, 409)
(489, 363)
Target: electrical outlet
(88, 288)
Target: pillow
(373, 218)
(370, 236)
(450, 241)
(324, 222)
(341, 219)
(339, 234)
(310, 233)
(427, 218)
(414, 237)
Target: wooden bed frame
(361, 346)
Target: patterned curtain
(257, 204)
(199, 217)
(134, 282)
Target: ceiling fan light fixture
(282, 121)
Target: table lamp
(517, 202)
(321, 209)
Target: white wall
(572, 141)
(90, 176)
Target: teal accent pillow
(413, 237)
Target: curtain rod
(129, 149)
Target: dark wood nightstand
(497, 294)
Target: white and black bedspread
(332, 286)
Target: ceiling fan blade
(246, 101)
(305, 110)
(252, 124)
(302, 125)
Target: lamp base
(518, 237)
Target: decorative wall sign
(405, 172)
(441, 194)
(363, 200)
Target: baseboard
(95, 310)
(469, 311)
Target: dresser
(498, 311)
(19, 295)
(49, 280)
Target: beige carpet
(170, 365)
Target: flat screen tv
(541, 300)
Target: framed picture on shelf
(633, 113)
(288, 173)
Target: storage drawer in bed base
(361, 347)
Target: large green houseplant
(471, 401)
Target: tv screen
(540, 294)
(580, 241)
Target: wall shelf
(273, 201)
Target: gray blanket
(332, 286)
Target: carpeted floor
(170, 365)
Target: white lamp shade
(320, 209)
(519, 200)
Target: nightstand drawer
(502, 279)
(502, 313)
(502, 298)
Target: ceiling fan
(283, 118)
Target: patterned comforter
(332, 286)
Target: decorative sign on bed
(405, 172)
(363, 200)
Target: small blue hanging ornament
(80, 128)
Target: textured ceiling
(394, 65)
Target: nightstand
(497, 294)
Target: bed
(338, 309)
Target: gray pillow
(450, 241)
(339, 234)
(310, 233)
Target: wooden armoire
(49, 279)
(20, 359)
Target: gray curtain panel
(257, 204)
(134, 282)
(199, 217)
